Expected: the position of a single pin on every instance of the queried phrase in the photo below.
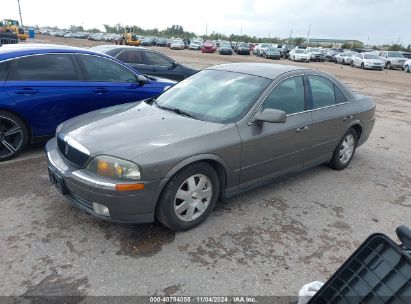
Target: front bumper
(82, 189)
(302, 59)
(373, 67)
(397, 65)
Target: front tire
(13, 135)
(388, 66)
(189, 197)
(345, 151)
(362, 66)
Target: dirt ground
(269, 241)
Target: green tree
(395, 47)
(298, 41)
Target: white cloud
(383, 21)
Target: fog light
(101, 209)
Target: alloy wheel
(347, 149)
(193, 197)
(11, 137)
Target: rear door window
(323, 92)
(49, 67)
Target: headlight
(114, 168)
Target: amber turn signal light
(129, 187)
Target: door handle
(302, 129)
(101, 91)
(348, 117)
(26, 91)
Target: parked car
(260, 48)
(286, 50)
(344, 58)
(148, 41)
(406, 55)
(177, 44)
(44, 85)
(330, 55)
(367, 61)
(208, 47)
(316, 54)
(392, 59)
(242, 48)
(271, 53)
(195, 45)
(300, 55)
(225, 48)
(147, 61)
(407, 66)
(161, 42)
(177, 155)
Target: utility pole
(21, 20)
(206, 29)
(308, 34)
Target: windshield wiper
(177, 111)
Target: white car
(344, 58)
(367, 61)
(392, 59)
(177, 45)
(407, 66)
(300, 55)
(195, 45)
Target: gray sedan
(222, 131)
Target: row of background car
(373, 59)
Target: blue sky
(379, 21)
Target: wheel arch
(357, 126)
(219, 165)
(23, 119)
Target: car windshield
(225, 45)
(370, 56)
(272, 49)
(301, 51)
(215, 96)
(177, 41)
(243, 45)
(395, 54)
(315, 50)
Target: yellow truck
(13, 26)
(132, 39)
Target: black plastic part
(378, 272)
(404, 235)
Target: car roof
(266, 70)
(109, 47)
(19, 50)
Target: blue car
(44, 85)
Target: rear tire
(388, 66)
(362, 66)
(189, 197)
(13, 136)
(345, 151)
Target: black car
(286, 50)
(225, 49)
(242, 48)
(161, 42)
(148, 41)
(147, 61)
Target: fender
(186, 162)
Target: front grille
(73, 155)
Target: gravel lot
(269, 241)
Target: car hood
(131, 130)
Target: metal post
(21, 19)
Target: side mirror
(270, 115)
(142, 80)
